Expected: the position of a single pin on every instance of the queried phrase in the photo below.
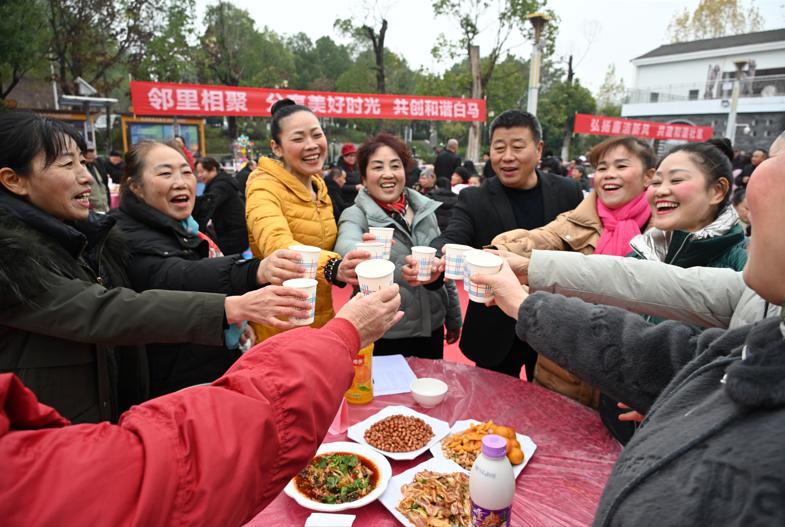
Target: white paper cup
(453, 259)
(385, 235)
(466, 273)
(375, 248)
(309, 286)
(424, 257)
(481, 262)
(374, 275)
(309, 258)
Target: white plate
(385, 473)
(392, 496)
(527, 445)
(440, 429)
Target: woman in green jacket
(68, 326)
(694, 225)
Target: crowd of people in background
(171, 290)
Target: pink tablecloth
(562, 483)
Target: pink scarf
(621, 225)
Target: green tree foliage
(557, 107)
(317, 65)
(610, 93)
(24, 41)
(168, 56)
(714, 18)
(100, 40)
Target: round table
(561, 484)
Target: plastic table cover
(562, 483)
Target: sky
(596, 32)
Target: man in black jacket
(520, 197)
(222, 202)
(447, 161)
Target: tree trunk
(567, 140)
(473, 147)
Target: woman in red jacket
(212, 455)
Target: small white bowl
(428, 392)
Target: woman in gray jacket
(714, 400)
(386, 202)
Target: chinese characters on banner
(156, 98)
(601, 125)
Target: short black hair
(517, 119)
(116, 153)
(23, 135)
(463, 172)
(280, 110)
(443, 182)
(738, 195)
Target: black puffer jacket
(165, 256)
(67, 327)
(223, 203)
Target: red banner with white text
(601, 125)
(160, 98)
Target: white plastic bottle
(492, 484)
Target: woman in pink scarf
(604, 223)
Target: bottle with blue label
(492, 484)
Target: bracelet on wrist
(331, 271)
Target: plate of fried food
(399, 432)
(433, 493)
(464, 442)
(342, 475)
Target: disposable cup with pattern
(481, 262)
(424, 257)
(384, 235)
(453, 260)
(309, 258)
(375, 248)
(466, 273)
(374, 275)
(309, 286)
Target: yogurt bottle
(492, 484)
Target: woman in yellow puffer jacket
(287, 204)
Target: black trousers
(520, 354)
(424, 347)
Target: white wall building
(691, 82)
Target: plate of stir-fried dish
(340, 476)
(432, 494)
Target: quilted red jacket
(209, 455)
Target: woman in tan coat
(604, 223)
(287, 204)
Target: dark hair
(637, 147)
(281, 110)
(714, 158)
(209, 163)
(465, 174)
(23, 135)
(517, 119)
(368, 148)
(478, 176)
(580, 168)
(443, 182)
(469, 165)
(738, 195)
(115, 153)
(135, 158)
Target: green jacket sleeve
(78, 310)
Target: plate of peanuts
(399, 432)
(464, 442)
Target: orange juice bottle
(361, 391)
